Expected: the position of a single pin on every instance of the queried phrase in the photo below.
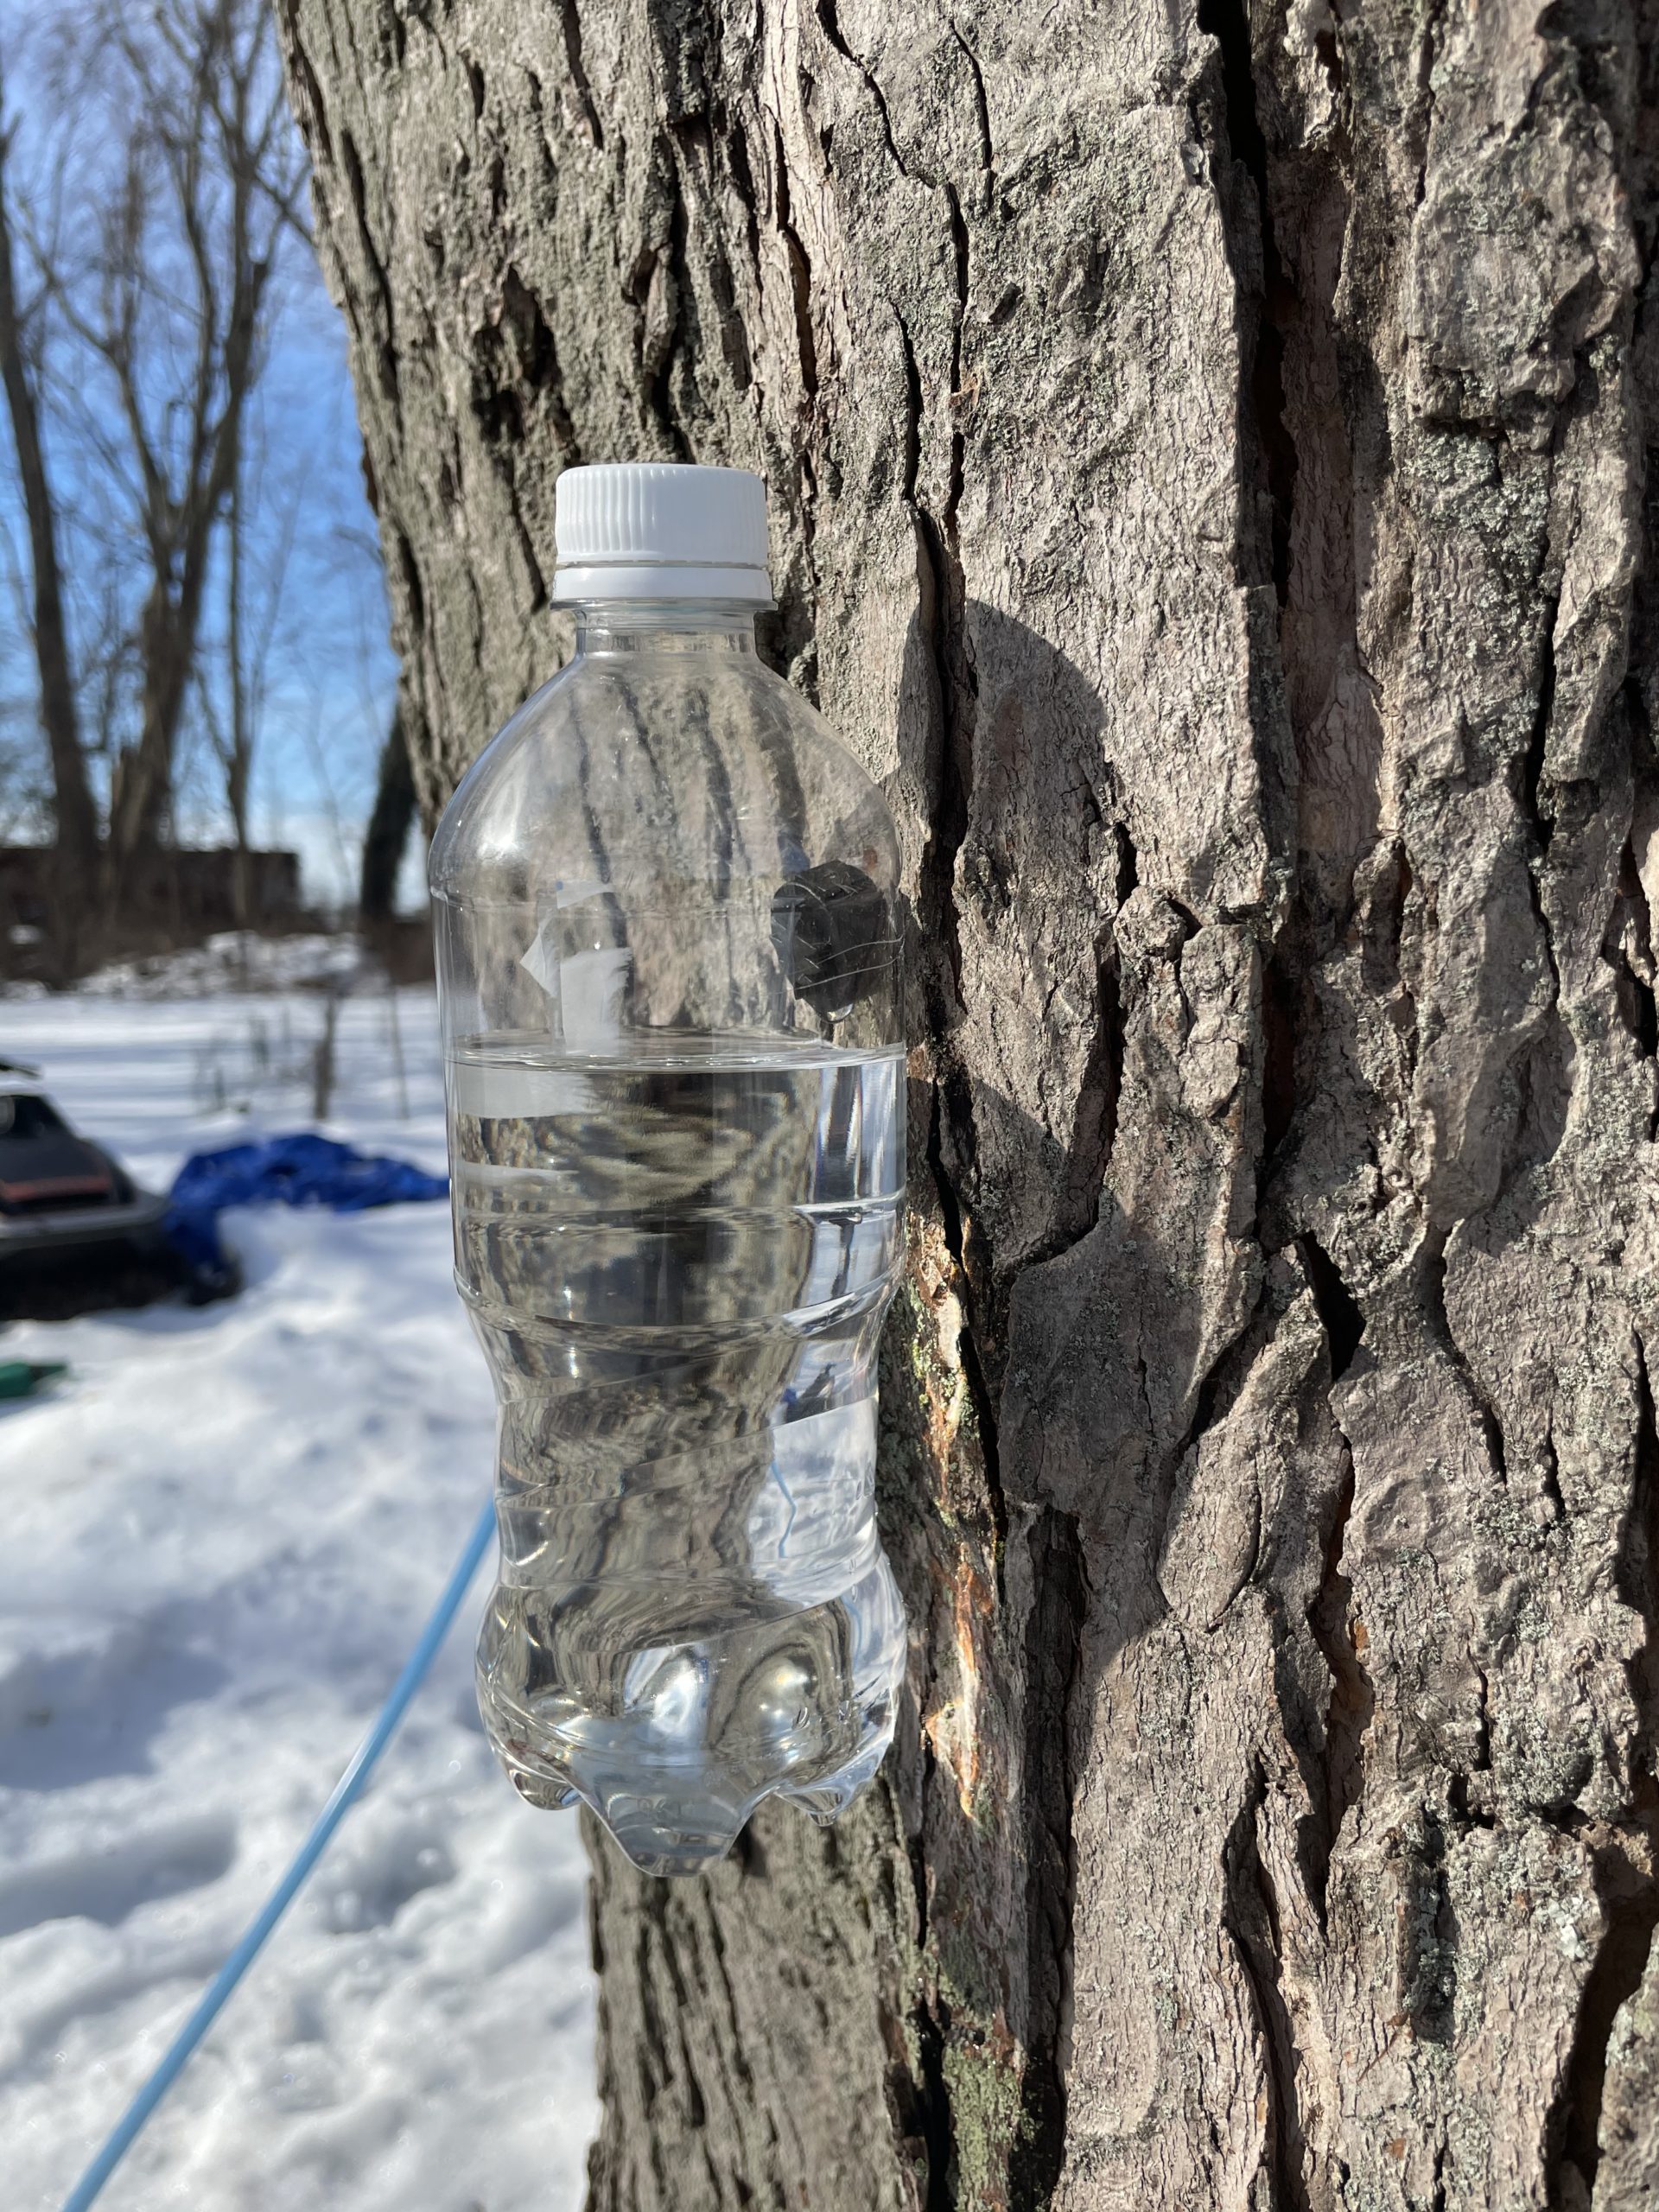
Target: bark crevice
(1629, 1902)
(570, 25)
(1638, 1568)
(1338, 1632)
(1250, 1916)
(1054, 1644)
(385, 298)
(967, 1350)
(1434, 1269)
(1340, 1313)
(829, 24)
(1265, 423)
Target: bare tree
(211, 145)
(73, 809)
(235, 749)
(1207, 449)
(162, 287)
(233, 686)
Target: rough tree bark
(1206, 452)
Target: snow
(224, 1529)
(235, 961)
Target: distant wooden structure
(178, 898)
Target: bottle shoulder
(682, 764)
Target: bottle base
(670, 1823)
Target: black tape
(830, 928)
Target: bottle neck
(612, 626)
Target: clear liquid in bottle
(678, 1257)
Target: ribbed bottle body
(668, 949)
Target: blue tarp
(295, 1171)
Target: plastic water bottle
(668, 957)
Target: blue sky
(334, 673)
(330, 671)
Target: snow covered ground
(223, 1531)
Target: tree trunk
(1206, 456)
(74, 817)
(140, 784)
(238, 755)
(391, 819)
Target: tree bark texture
(1206, 452)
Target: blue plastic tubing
(348, 1790)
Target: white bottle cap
(660, 529)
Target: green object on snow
(18, 1378)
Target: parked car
(59, 1191)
